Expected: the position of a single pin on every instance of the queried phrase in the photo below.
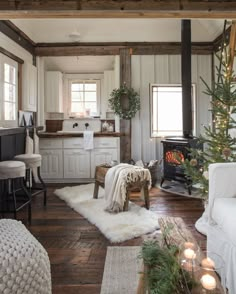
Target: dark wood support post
(125, 125)
(186, 77)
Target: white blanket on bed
(116, 181)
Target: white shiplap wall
(164, 69)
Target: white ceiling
(80, 64)
(110, 30)
(117, 30)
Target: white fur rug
(118, 227)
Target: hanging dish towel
(36, 142)
(29, 144)
(88, 140)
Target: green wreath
(133, 99)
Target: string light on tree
(219, 145)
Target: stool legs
(29, 199)
(11, 183)
(95, 192)
(31, 188)
(44, 187)
(10, 191)
(145, 193)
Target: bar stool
(33, 164)
(12, 175)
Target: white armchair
(221, 234)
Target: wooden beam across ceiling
(117, 9)
(138, 48)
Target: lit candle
(208, 282)
(189, 245)
(208, 263)
(189, 253)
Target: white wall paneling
(164, 69)
(40, 112)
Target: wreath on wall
(133, 98)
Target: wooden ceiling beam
(117, 9)
(96, 49)
(15, 34)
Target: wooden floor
(77, 249)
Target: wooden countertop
(70, 135)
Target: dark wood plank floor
(77, 249)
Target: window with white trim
(166, 110)
(85, 97)
(9, 91)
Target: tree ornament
(226, 152)
(133, 102)
(193, 162)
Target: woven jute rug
(121, 271)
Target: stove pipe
(186, 77)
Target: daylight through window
(166, 110)
(84, 97)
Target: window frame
(155, 134)
(84, 81)
(7, 60)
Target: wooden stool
(100, 174)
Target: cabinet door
(53, 92)
(29, 87)
(76, 163)
(52, 163)
(101, 156)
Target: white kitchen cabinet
(76, 163)
(53, 92)
(29, 87)
(52, 163)
(65, 160)
(52, 158)
(108, 87)
(102, 156)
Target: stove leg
(162, 181)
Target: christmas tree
(218, 140)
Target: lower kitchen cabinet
(76, 163)
(101, 156)
(65, 160)
(52, 163)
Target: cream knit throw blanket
(24, 263)
(116, 181)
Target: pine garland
(133, 99)
(164, 273)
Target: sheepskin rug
(118, 227)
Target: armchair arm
(222, 182)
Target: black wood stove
(175, 151)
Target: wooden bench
(176, 233)
(100, 174)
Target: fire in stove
(174, 157)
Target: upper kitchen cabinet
(53, 92)
(109, 85)
(29, 87)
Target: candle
(208, 263)
(189, 245)
(189, 253)
(208, 282)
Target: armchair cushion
(224, 214)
